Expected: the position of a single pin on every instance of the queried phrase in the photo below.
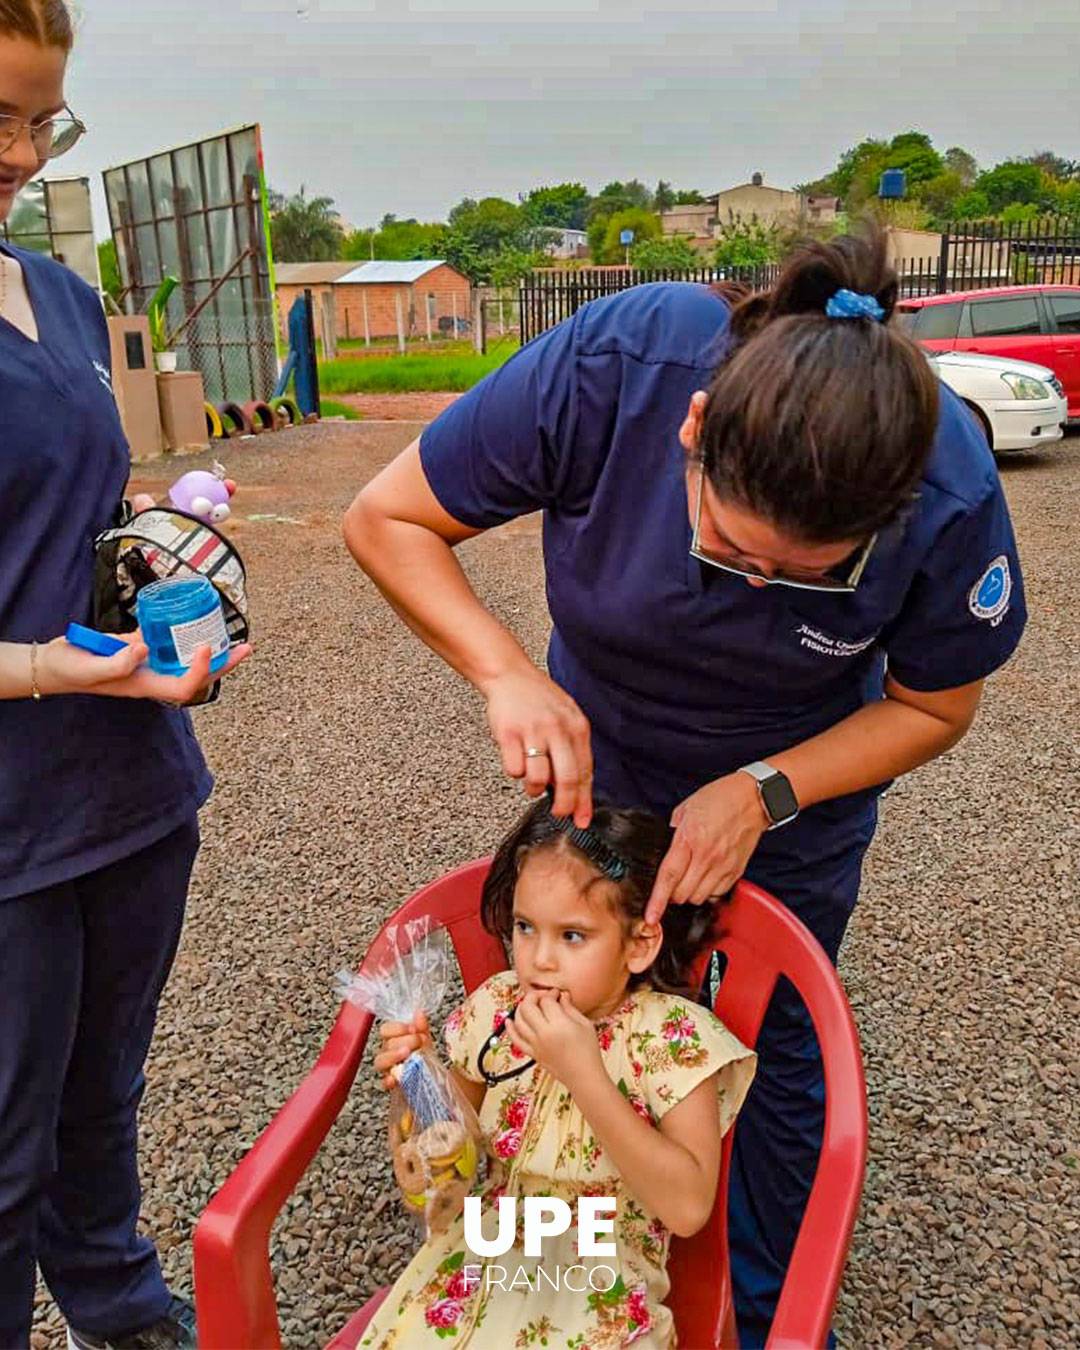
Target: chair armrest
(234, 1288)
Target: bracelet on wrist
(35, 692)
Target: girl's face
(31, 90)
(567, 936)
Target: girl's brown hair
(639, 840)
(46, 22)
(821, 426)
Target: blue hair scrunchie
(847, 304)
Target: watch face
(779, 798)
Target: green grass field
(407, 374)
(329, 408)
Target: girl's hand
(527, 710)
(548, 1028)
(399, 1040)
(65, 669)
(716, 831)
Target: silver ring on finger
(534, 752)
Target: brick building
(370, 298)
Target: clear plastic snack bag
(434, 1135)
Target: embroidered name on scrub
(821, 642)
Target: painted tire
(261, 416)
(234, 419)
(287, 410)
(214, 427)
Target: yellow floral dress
(656, 1048)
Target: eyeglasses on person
(51, 137)
(803, 581)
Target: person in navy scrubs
(100, 782)
(779, 566)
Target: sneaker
(174, 1331)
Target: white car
(1019, 405)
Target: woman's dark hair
(640, 840)
(821, 426)
(46, 22)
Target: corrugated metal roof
(310, 274)
(370, 273)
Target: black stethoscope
(491, 1044)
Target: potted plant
(160, 337)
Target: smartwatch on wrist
(776, 793)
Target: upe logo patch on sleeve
(989, 597)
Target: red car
(1026, 323)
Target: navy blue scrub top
(84, 781)
(689, 670)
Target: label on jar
(208, 631)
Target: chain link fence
(234, 351)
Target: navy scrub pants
(82, 967)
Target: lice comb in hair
(603, 857)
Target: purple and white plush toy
(203, 494)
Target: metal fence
(234, 350)
(546, 298)
(966, 256)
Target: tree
(973, 205)
(638, 195)
(616, 196)
(690, 197)
(563, 206)
(644, 224)
(304, 229)
(914, 152)
(673, 253)
(857, 176)
(595, 234)
(664, 197)
(480, 231)
(910, 151)
(1067, 199)
(509, 266)
(1011, 181)
(399, 239)
(940, 194)
(1016, 213)
(1054, 166)
(907, 214)
(746, 244)
(963, 164)
(857, 162)
(818, 187)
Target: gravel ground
(352, 767)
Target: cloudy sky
(409, 105)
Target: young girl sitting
(594, 1073)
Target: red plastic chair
(234, 1287)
